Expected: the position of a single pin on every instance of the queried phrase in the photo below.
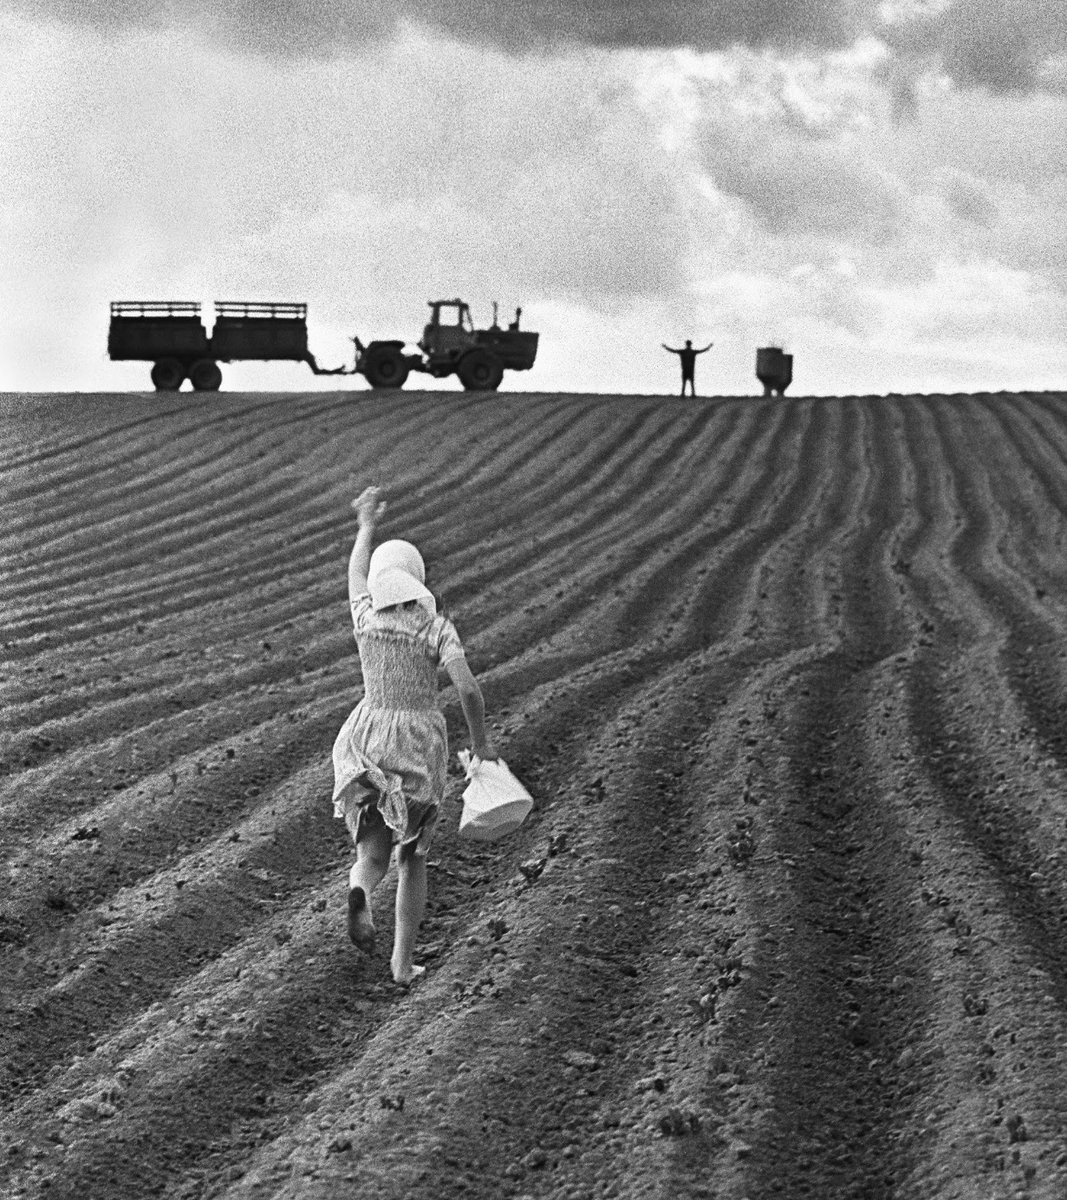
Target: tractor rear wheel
(167, 375)
(205, 375)
(386, 368)
(480, 371)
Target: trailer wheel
(205, 375)
(480, 371)
(167, 375)
(386, 368)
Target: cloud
(970, 200)
(797, 187)
(322, 27)
(786, 145)
(623, 24)
(983, 306)
(283, 28)
(1002, 46)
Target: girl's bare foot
(407, 975)
(360, 923)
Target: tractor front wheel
(386, 368)
(167, 375)
(205, 375)
(480, 371)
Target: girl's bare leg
(410, 906)
(372, 862)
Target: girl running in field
(390, 757)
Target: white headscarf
(396, 575)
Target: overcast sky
(881, 188)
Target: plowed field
(787, 679)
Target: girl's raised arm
(369, 507)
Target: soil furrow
(259, 559)
(829, 1107)
(144, 466)
(218, 474)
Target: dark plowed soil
(788, 682)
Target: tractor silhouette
(171, 335)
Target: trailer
(172, 336)
(168, 333)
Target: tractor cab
(450, 328)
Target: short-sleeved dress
(392, 752)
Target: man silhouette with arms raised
(689, 361)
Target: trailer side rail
(259, 311)
(155, 309)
